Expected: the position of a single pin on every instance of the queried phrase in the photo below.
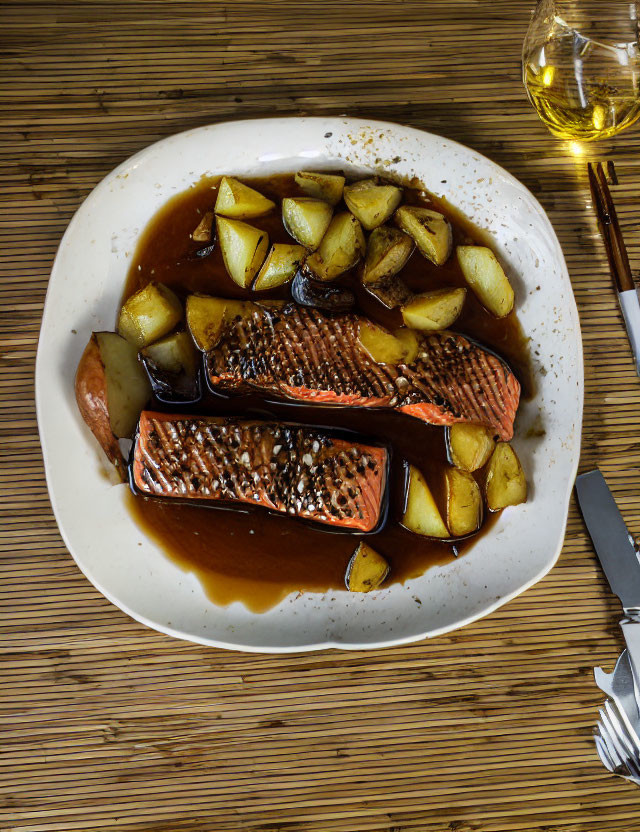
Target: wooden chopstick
(610, 228)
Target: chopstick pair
(617, 256)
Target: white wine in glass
(581, 67)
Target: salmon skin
(313, 357)
(289, 469)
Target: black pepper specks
(295, 470)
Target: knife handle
(630, 306)
(631, 630)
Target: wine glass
(581, 67)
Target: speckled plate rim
(85, 286)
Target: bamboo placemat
(107, 725)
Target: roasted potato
(422, 515)
(392, 292)
(388, 249)
(486, 278)
(172, 367)
(280, 266)
(243, 249)
(149, 314)
(469, 446)
(366, 569)
(111, 389)
(306, 220)
(239, 201)
(341, 248)
(173, 354)
(371, 203)
(206, 316)
(434, 310)
(411, 343)
(326, 186)
(430, 230)
(202, 232)
(505, 484)
(382, 346)
(464, 503)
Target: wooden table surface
(107, 725)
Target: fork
(614, 745)
(619, 686)
(616, 254)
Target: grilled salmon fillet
(310, 356)
(291, 469)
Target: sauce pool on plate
(258, 558)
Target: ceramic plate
(86, 283)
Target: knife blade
(611, 539)
(617, 554)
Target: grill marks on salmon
(290, 469)
(309, 356)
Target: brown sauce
(258, 558)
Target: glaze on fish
(290, 469)
(307, 355)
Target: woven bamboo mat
(107, 725)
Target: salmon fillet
(307, 355)
(290, 469)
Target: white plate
(86, 283)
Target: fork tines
(615, 746)
(609, 228)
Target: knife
(617, 255)
(617, 554)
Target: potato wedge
(243, 249)
(326, 186)
(306, 220)
(239, 201)
(341, 248)
(430, 230)
(464, 503)
(392, 292)
(366, 569)
(282, 262)
(388, 249)
(370, 203)
(434, 310)
(111, 390)
(173, 354)
(382, 346)
(127, 385)
(91, 398)
(206, 316)
(469, 446)
(202, 232)
(172, 367)
(422, 515)
(506, 484)
(149, 314)
(411, 343)
(487, 279)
